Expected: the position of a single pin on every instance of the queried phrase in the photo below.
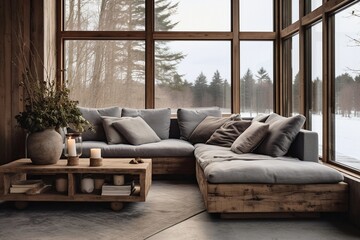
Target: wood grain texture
(22, 168)
(173, 165)
(265, 198)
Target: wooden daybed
(272, 198)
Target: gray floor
(208, 227)
(173, 211)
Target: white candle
(119, 180)
(95, 153)
(71, 147)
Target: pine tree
(317, 96)
(216, 90)
(344, 94)
(247, 85)
(200, 90)
(166, 61)
(296, 94)
(262, 91)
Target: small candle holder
(95, 162)
(73, 148)
(95, 157)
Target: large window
(166, 53)
(256, 83)
(105, 73)
(110, 15)
(290, 12)
(347, 86)
(190, 82)
(314, 79)
(194, 15)
(250, 13)
(320, 71)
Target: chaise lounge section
(254, 183)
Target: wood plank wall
(21, 21)
(14, 18)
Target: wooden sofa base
(272, 198)
(173, 165)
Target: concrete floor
(207, 227)
(100, 223)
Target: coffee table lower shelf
(23, 169)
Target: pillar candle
(71, 147)
(95, 153)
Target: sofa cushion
(282, 132)
(221, 165)
(206, 128)
(250, 138)
(135, 130)
(109, 151)
(112, 135)
(164, 148)
(93, 115)
(189, 118)
(228, 132)
(157, 119)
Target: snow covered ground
(347, 143)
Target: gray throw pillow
(189, 118)
(227, 133)
(136, 130)
(157, 119)
(206, 128)
(93, 115)
(282, 132)
(112, 135)
(250, 138)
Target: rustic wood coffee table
(23, 169)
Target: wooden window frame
(323, 13)
(150, 36)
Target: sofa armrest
(305, 146)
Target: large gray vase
(44, 147)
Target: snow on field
(347, 142)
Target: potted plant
(48, 109)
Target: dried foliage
(46, 106)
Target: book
(116, 190)
(27, 183)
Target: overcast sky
(207, 57)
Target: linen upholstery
(189, 118)
(250, 138)
(282, 132)
(164, 148)
(157, 119)
(93, 115)
(228, 133)
(135, 130)
(221, 165)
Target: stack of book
(118, 190)
(25, 185)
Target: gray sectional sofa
(288, 179)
